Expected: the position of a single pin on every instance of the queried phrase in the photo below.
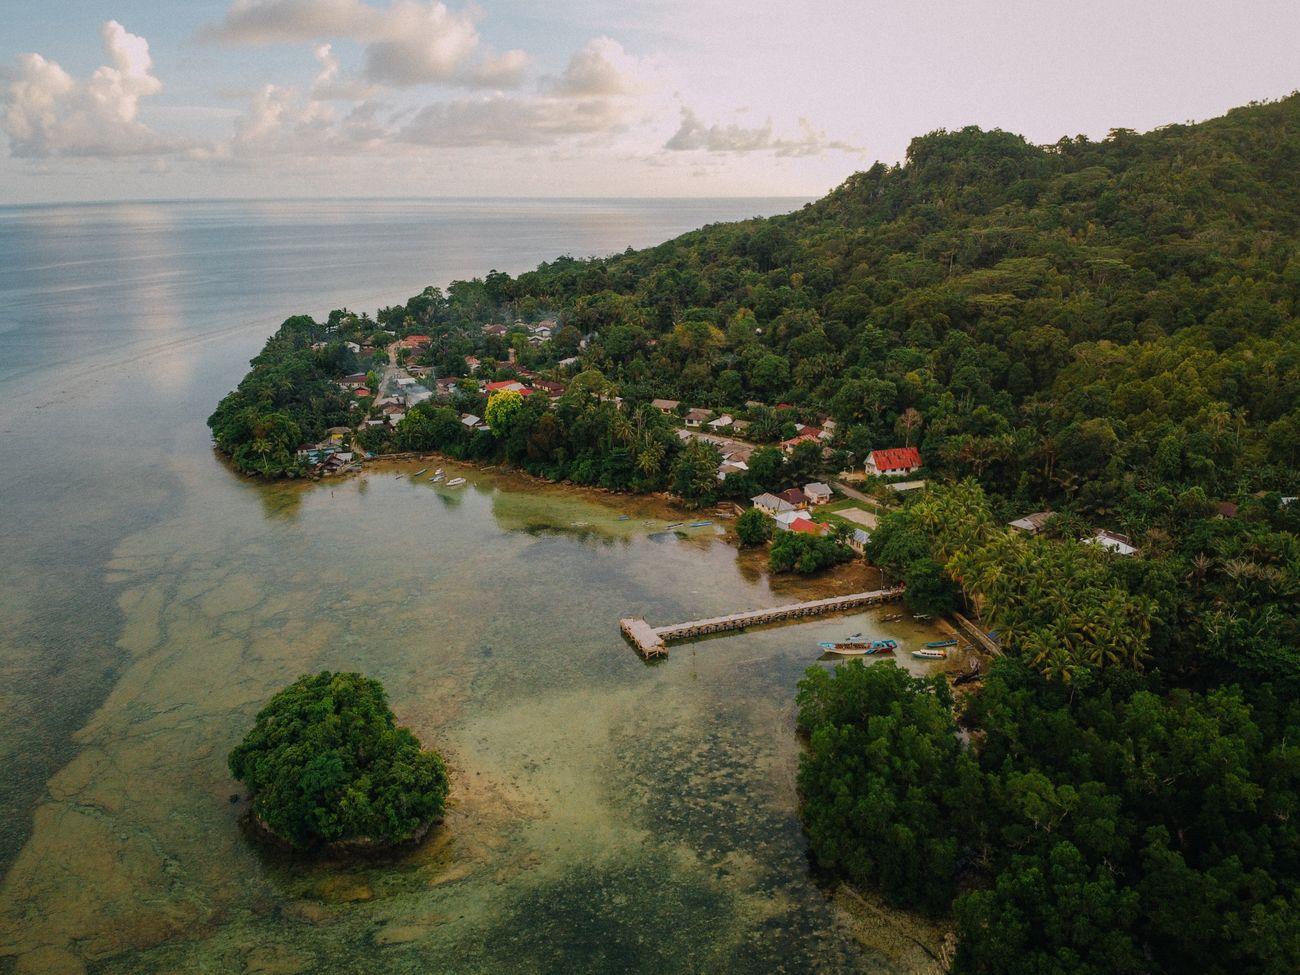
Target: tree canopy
(326, 763)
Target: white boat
(856, 646)
(438, 472)
(436, 478)
(422, 470)
(931, 653)
(456, 482)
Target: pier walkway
(976, 635)
(652, 641)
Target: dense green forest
(1105, 325)
(1108, 330)
(326, 763)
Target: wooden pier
(977, 636)
(652, 641)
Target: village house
(472, 363)
(804, 525)
(893, 461)
(362, 391)
(696, 417)
(816, 492)
(727, 468)
(551, 389)
(858, 541)
(509, 386)
(788, 445)
(668, 407)
(771, 505)
(568, 363)
(721, 422)
(356, 379)
(445, 387)
(413, 343)
(472, 422)
(1032, 524)
(1112, 541)
(498, 330)
(739, 427)
(786, 520)
(794, 497)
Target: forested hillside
(1098, 323)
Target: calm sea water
(607, 815)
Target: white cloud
(47, 112)
(502, 71)
(421, 43)
(280, 121)
(331, 84)
(278, 21)
(407, 43)
(509, 121)
(601, 68)
(693, 134)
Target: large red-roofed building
(895, 460)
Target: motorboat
(857, 646)
(931, 653)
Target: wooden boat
(937, 644)
(891, 618)
(422, 470)
(699, 524)
(438, 472)
(436, 478)
(855, 646)
(456, 482)
(930, 653)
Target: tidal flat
(605, 814)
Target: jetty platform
(652, 641)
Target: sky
(136, 99)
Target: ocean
(606, 815)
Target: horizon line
(399, 199)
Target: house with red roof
(805, 526)
(414, 342)
(895, 460)
(507, 385)
(789, 445)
